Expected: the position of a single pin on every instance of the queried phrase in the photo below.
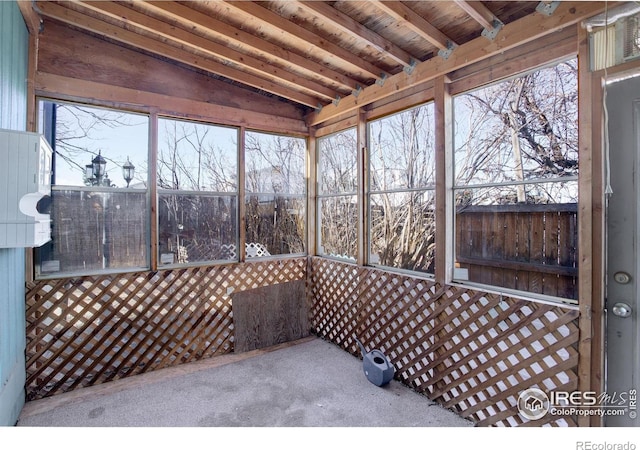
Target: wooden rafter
(115, 32)
(410, 19)
(354, 28)
(310, 52)
(305, 38)
(518, 32)
(478, 12)
(217, 29)
(195, 43)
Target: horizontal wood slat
(88, 330)
(470, 351)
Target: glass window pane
(338, 226)
(106, 228)
(196, 228)
(521, 129)
(274, 164)
(92, 231)
(522, 136)
(403, 230)
(275, 225)
(401, 150)
(528, 246)
(82, 133)
(197, 157)
(338, 163)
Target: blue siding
(14, 43)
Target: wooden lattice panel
(88, 330)
(471, 351)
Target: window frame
(153, 193)
(322, 195)
(302, 197)
(423, 190)
(48, 129)
(235, 194)
(455, 187)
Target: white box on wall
(25, 189)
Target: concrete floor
(310, 383)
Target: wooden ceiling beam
(216, 29)
(513, 34)
(478, 12)
(290, 32)
(355, 29)
(195, 44)
(83, 21)
(31, 17)
(76, 90)
(406, 16)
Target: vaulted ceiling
(311, 53)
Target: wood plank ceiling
(311, 53)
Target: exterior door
(623, 266)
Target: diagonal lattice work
(88, 330)
(471, 351)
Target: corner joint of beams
(40, 14)
(445, 53)
(383, 77)
(493, 32)
(319, 107)
(357, 91)
(411, 67)
(547, 8)
(336, 100)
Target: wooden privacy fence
(88, 330)
(111, 232)
(532, 248)
(470, 351)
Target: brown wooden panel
(523, 242)
(536, 250)
(510, 249)
(551, 247)
(498, 239)
(567, 253)
(74, 54)
(269, 315)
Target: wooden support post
(32, 118)
(363, 230)
(585, 217)
(444, 181)
(598, 245)
(598, 233)
(312, 193)
(153, 191)
(242, 207)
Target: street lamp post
(128, 171)
(96, 172)
(96, 175)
